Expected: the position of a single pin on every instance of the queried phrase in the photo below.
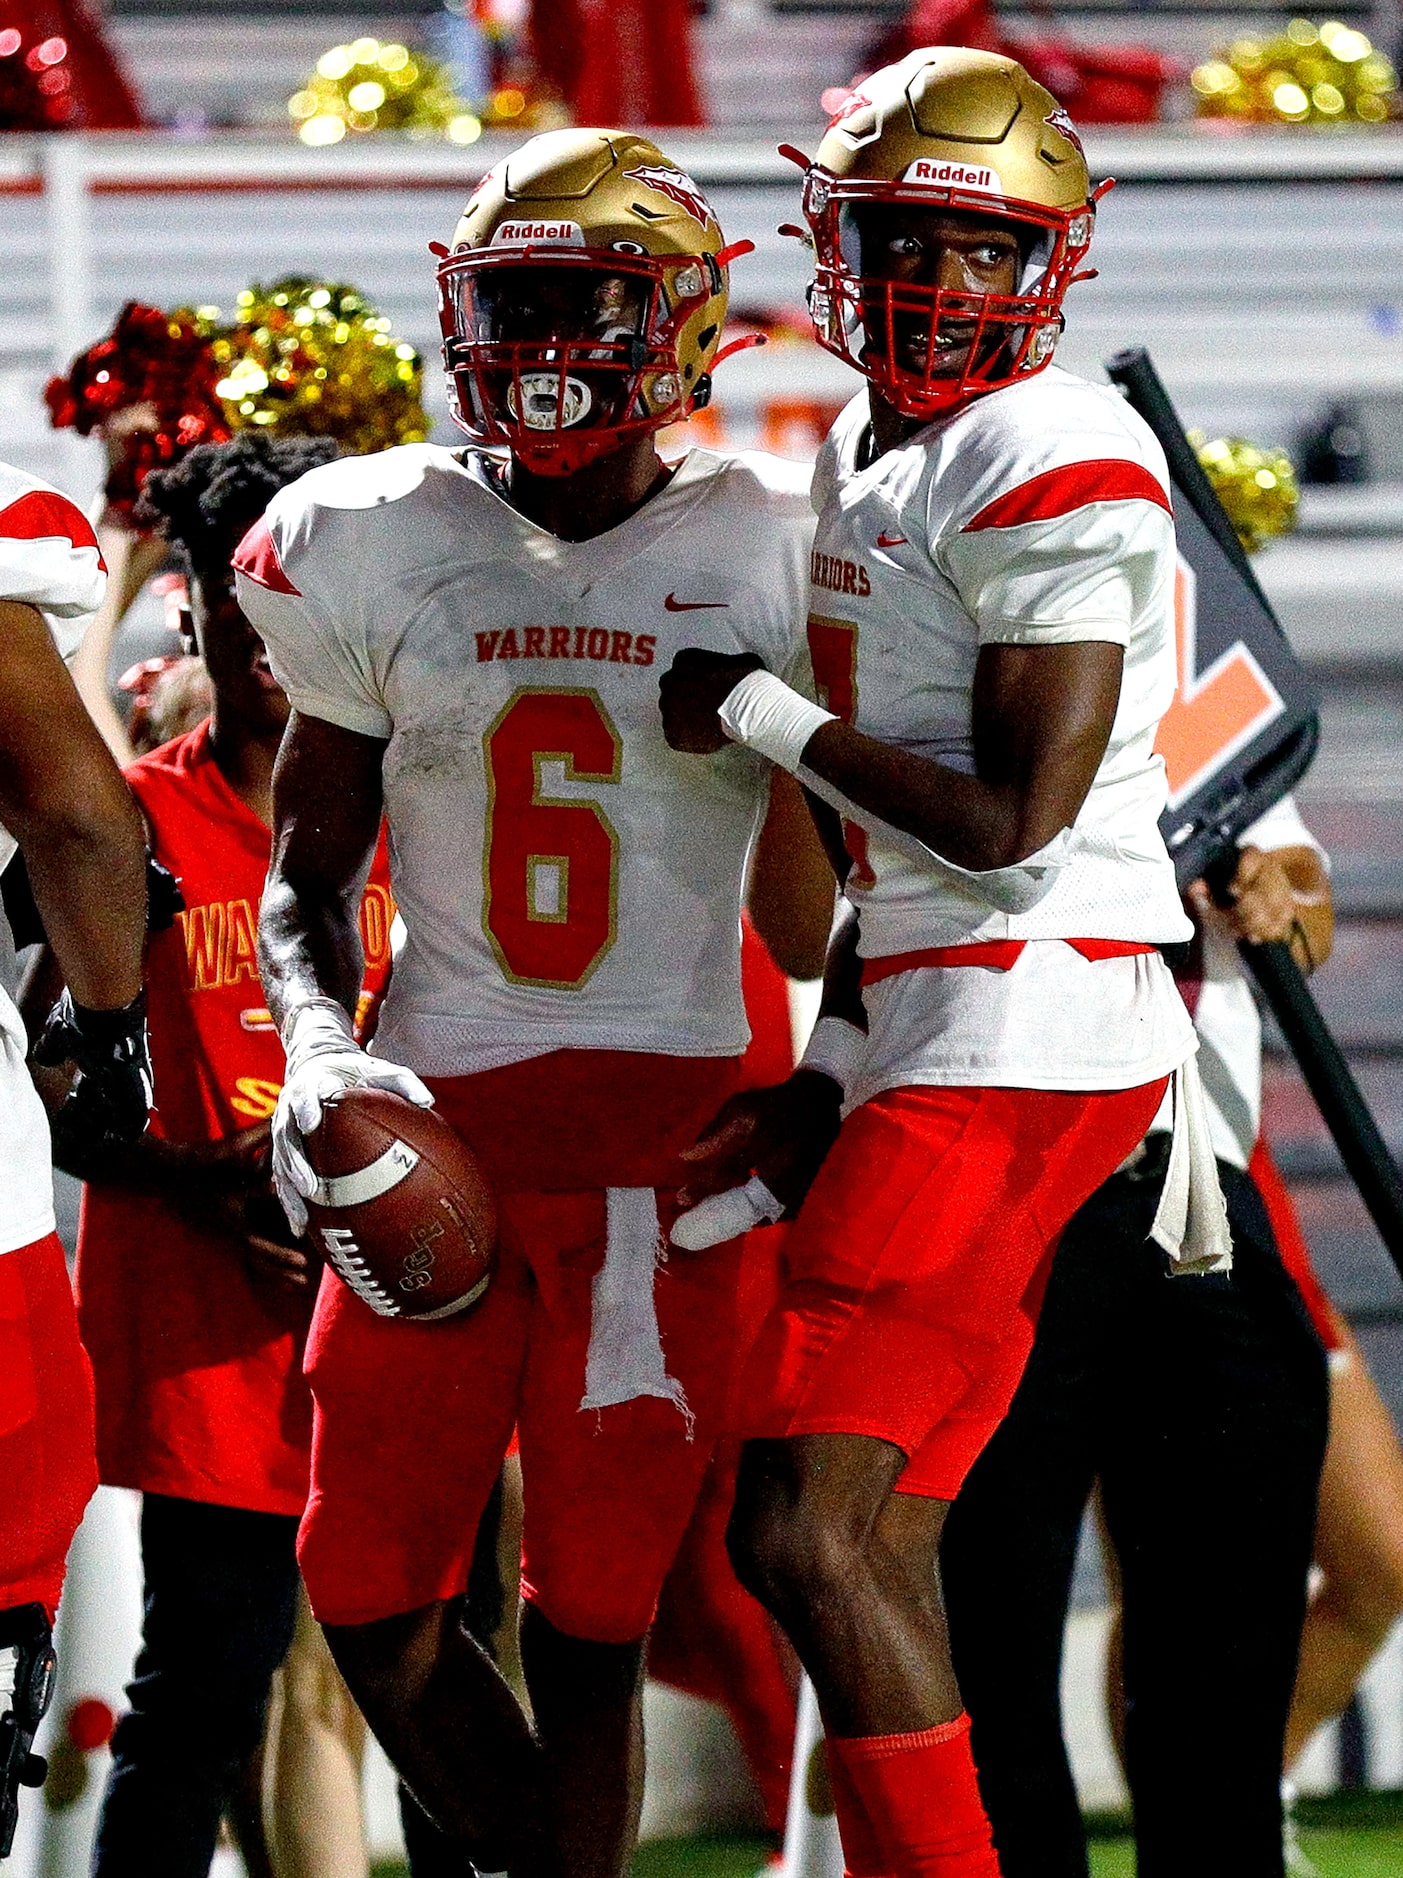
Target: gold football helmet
(582, 299)
(959, 132)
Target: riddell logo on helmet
(954, 176)
(559, 234)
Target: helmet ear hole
(701, 393)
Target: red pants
(413, 1421)
(917, 1267)
(48, 1469)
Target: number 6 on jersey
(550, 864)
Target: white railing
(1264, 271)
(1295, 171)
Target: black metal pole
(1144, 390)
(1331, 1082)
(1327, 1075)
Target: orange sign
(1216, 711)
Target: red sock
(920, 1794)
(861, 1858)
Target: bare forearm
(326, 820)
(963, 818)
(309, 943)
(64, 800)
(791, 883)
(87, 869)
(90, 667)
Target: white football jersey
(566, 880)
(49, 559)
(1036, 515)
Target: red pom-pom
(90, 1724)
(149, 358)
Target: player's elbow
(101, 824)
(1028, 835)
(1038, 813)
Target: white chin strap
(543, 405)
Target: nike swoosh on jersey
(674, 605)
(891, 541)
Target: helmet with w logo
(970, 136)
(582, 298)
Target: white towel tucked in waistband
(1191, 1221)
(625, 1358)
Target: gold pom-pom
(1310, 74)
(308, 358)
(373, 85)
(1257, 487)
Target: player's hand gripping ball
(402, 1208)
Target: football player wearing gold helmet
(992, 640)
(581, 301)
(466, 637)
(948, 220)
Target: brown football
(404, 1212)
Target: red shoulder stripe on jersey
(257, 559)
(1001, 954)
(44, 515)
(1060, 491)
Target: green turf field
(1349, 1835)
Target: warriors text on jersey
(566, 880)
(49, 559)
(1037, 515)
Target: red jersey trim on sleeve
(257, 559)
(44, 515)
(1059, 491)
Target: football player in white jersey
(992, 638)
(66, 811)
(471, 642)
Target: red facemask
(563, 355)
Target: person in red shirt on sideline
(66, 813)
(193, 1302)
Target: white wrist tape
(835, 1049)
(765, 714)
(726, 1216)
(314, 1028)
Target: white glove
(323, 1060)
(726, 1216)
